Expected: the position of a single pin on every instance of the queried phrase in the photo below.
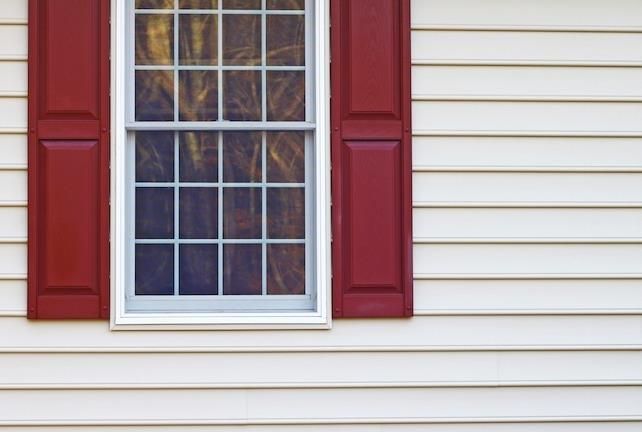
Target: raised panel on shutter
(68, 267)
(371, 158)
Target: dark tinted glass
(198, 213)
(286, 213)
(286, 269)
(242, 95)
(242, 157)
(285, 157)
(198, 272)
(154, 95)
(154, 273)
(154, 213)
(242, 269)
(154, 39)
(285, 95)
(198, 95)
(154, 156)
(242, 213)
(286, 40)
(198, 156)
(197, 39)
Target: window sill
(223, 321)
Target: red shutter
(371, 158)
(68, 159)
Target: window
(221, 209)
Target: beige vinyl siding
(527, 175)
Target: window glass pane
(242, 213)
(219, 207)
(154, 273)
(242, 4)
(286, 4)
(198, 266)
(154, 156)
(242, 269)
(198, 95)
(242, 95)
(197, 39)
(241, 40)
(197, 4)
(242, 157)
(286, 269)
(154, 4)
(198, 156)
(198, 212)
(154, 95)
(285, 96)
(154, 39)
(285, 157)
(154, 213)
(285, 40)
(286, 213)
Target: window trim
(122, 320)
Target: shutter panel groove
(68, 258)
(371, 158)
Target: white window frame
(121, 319)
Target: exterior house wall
(528, 258)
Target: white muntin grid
(221, 302)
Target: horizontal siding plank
(13, 112)
(331, 404)
(526, 223)
(579, 187)
(13, 40)
(420, 333)
(526, 46)
(526, 81)
(13, 148)
(534, 116)
(526, 258)
(528, 296)
(14, 76)
(13, 259)
(566, 426)
(13, 297)
(518, 12)
(319, 369)
(13, 10)
(14, 185)
(13, 222)
(516, 152)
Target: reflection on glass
(242, 157)
(285, 40)
(154, 270)
(154, 213)
(197, 39)
(286, 269)
(198, 213)
(154, 4)
(242, 269)
(285, 157)
(198, 95)
(198, 156)
(241, 4)
(286, 4)
(285, 96)
(154, 156)
(154, 95)
(242, 40)
(198, 269)
(154, 39)
(197, 4)
(286, 213)
(242, 95)
(242, 213)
